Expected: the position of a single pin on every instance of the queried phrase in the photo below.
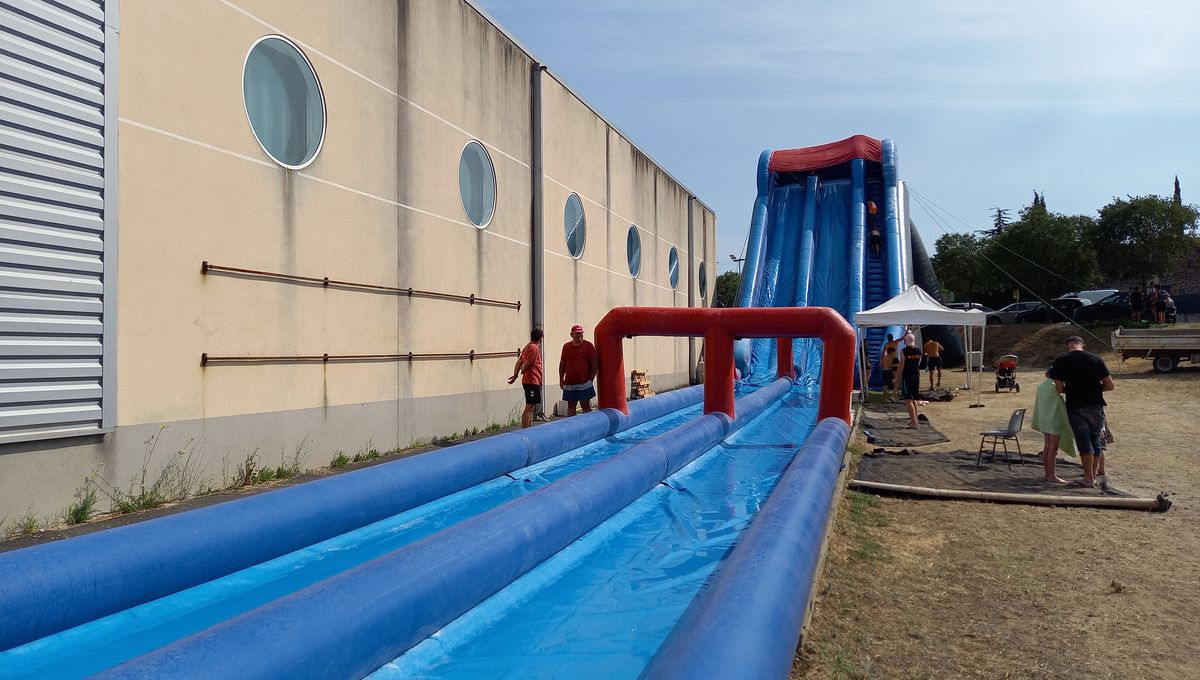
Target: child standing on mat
(1050, 418)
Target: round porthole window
(673, 268)
(633, 250)
(575, 225)
(283, 101)
(477, 184)
(703, 282)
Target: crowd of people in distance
(1153, 304)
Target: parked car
(1059, 310)
(1115, 306)
(1092, 296)
(968, 305)
(1009, 314)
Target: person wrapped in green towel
(1050, 418)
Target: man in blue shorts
(1084, 378)
(577, 368)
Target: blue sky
(987, 102)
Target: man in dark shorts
(576, 369)
(529, 367)
(1084, 378)
(933, 360)
(887, 367)
(1135, 303)
(910, 378)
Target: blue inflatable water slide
(659, 543)
(809, 244)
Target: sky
(987, 102)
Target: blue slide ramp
(809, 243)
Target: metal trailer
(1166, 347)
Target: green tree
(1000, 220)
(725, 293)
(959, 266)
(1046, 253)
(1143, 236)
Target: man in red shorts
(576, 370)
(529, 367)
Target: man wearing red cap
(576, 370)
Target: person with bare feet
(933, 360)
(887, 366)
(910, 378)
(1084, 378)
(1050, 418)
(529, 368)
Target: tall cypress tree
(1178, 198)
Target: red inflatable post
(785, 363)
(719, 327)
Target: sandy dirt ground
(949, 589)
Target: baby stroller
(1006, 374)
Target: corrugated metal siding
(52, 217)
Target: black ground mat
(937, 394)
(957, 470)
(886, 425)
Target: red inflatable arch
(719, 328)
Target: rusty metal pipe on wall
(472, 355)
(472, 298)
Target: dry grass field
(948, 589)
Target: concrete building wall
(406, 86)
(618, 187)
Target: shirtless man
(933, 360)
(887, 365)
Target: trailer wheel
(1165, 364)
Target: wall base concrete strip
(746, 620)
(351, 624)
(55, 586)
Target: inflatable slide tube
(891, 220)
(351, 624)
(746, 620)
(858, 226)
(51, 587)
(808, 241)
(755, 253)
(756, 243)
(891, 228)
(906, 255)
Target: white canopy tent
(914, 307)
